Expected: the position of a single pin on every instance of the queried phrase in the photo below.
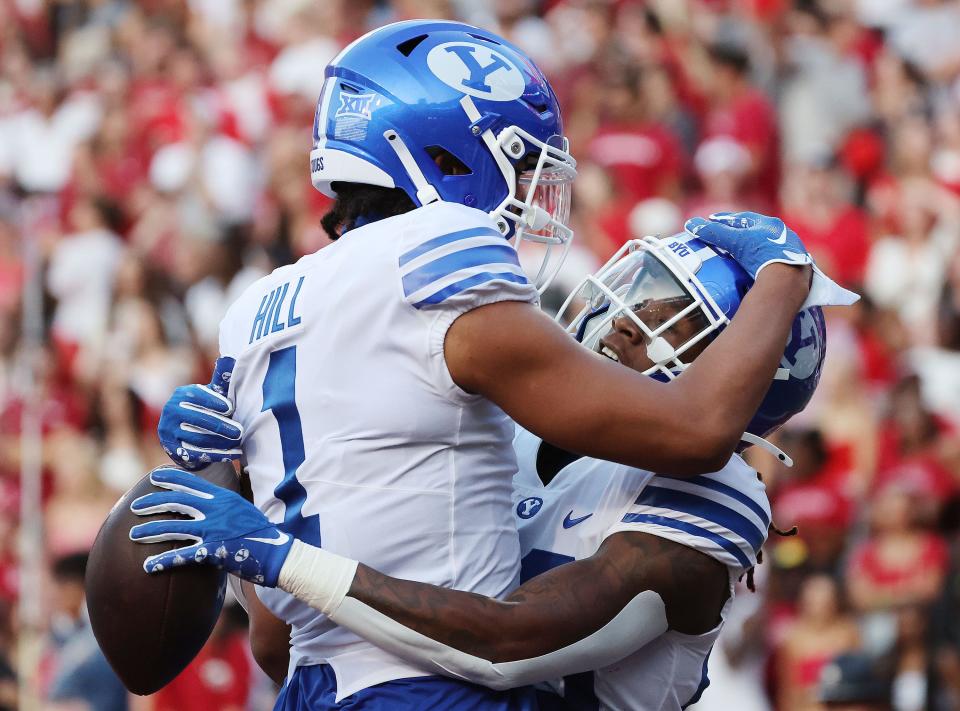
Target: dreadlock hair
(785, 533)
(356, 199)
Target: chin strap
(767, 447)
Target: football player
(656, 556)
(372, 381)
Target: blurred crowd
(153, 158)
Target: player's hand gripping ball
(754, 240)
(226, 530)
(195, 424)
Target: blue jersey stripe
(436, 242)
(692, 530)
(491, 256)
(733, 493)
(707, 509)
(704, 682)
(467, 283)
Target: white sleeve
(724, 519)
(456, 260)
(449, 261)
(642, 620)
(322, 580)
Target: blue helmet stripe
(442, 240)
(706, 509)
(692, 530)
(490, 256)
(467, 283)
(733, 493)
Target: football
(150, 627)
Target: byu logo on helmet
(476, 70)
(803, 346)
(528, 507)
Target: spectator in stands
(915, 450)
(220, 675)
(820, 632)
(852, 682)
(900, 563)
(815, 496)
(817, 201)
(739, 110)
(8, 678)
(81, 677)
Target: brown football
(150, 627)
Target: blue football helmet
(404, 94)
(682, 283)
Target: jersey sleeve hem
(736, 567)
(438, 336)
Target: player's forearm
(724, 386)
(575, 618)
(546, 614)
(513, 355)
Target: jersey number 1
(279, 397)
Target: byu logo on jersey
(803, 347)
(528, 507)
(476, 70)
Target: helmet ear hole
(448, 163)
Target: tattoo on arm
(561, 606)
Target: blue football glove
(227, 531)
(752, 239)
(195, 426)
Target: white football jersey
(356, 436)
(724, 515)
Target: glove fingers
(165, 530)
(738, 220)
(178, 480)
(199, 419)
(201, 442)
(205, 455)
(710, 231)
(177, 558)
(203, 396)
(167, 501)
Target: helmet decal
(802, 355)
(477, 70)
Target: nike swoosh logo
(569, 522)
(782, 239)
(281, 539)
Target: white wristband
(317, 577)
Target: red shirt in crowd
(842, 246)
(921, 472)
(932, 556)
(751, 120)
(643, 159)
(823, 499)
(218, 679)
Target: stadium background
(153, 161)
